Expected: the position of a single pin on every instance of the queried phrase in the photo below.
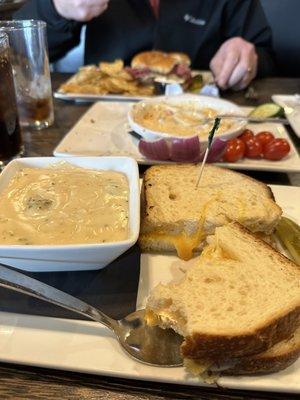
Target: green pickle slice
(288, 232)
(196, 84)
(268, 110)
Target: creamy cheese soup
(64, 205)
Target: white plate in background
(90, 98)
(103, 131)
(89, 347)
(291, 105)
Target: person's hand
(80, 10)
(235, 64)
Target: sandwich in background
(158, 67)
(178, 216)
(237, 307)
(147, 71)
(153, 64)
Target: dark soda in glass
(31, 109)
(10, 133)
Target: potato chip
(108, 78)
(111, 69)
(125, 75)
(83, 89)
(85, 73)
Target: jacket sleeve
(62, 34)
(246, 18)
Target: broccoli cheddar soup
(64, 205)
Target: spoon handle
(252, 119)
(11, 279)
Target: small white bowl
(77, 257)
(222, 106)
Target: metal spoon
(247, 119)
(150, 345)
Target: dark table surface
(22, 382)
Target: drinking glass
(10, 132)
(30, 62)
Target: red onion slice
(180, 150)
(157, 150)
(186, 150)
(217, 150)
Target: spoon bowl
(150, 345)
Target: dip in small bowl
(183, 116)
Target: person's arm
(64, 20)
(246, 19)
(63, 34)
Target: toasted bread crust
(248, 365)
(220, 347)
(277, 358)
(273, 360)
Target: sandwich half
(177, 216)
(237, 307)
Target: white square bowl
(75, 257)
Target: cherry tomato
(246, 134)
(254, 148)
(264, 137)
(234, 151)
(276, 150)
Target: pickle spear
(288, 232)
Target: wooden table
(21, 382)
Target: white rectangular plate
(89, 98)
(90, 348)
(103, 130)
(290, 103)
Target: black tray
(112, 289)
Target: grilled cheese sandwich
(237, 307)
(177, 216)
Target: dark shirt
(196, 27)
